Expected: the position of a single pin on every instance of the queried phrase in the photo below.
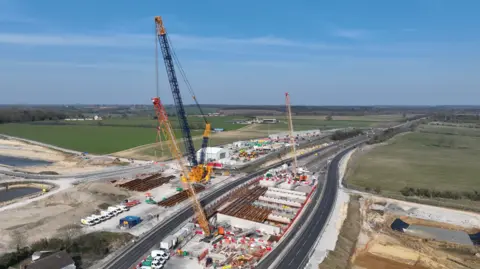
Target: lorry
(168, 243)
(180, 235)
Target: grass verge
(347, 239)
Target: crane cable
(185, 79)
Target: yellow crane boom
(292, 138)
(172, 143)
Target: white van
(87, 221)
(107, 214)
(158, 253)
(114, 210)
(96, 218)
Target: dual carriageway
(308, 227)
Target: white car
(159, 260)
(158, 263)
(160, 253)
(156, 266)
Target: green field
(367, 118)
(118, 134)
(449, 130)
(145, 122)
(93, 139)
(431, 160)
(311, 124)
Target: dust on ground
(378, 246)
(43, 218)
(62, 163)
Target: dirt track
(61, 162)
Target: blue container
(130, 221)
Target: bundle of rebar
(180, 197)
(145, 184)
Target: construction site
(245, 223)
(395, 235)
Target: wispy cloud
(74, 40)
(351, 33)
(254, 41)
(82, 65)
(139, 40)
(259, 47)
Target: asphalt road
(131, 255)
(297, 257)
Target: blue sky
(368, 52)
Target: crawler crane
(198, 171)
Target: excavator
(200, 172)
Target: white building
(214, 153)
(258, 120)
(239, 144)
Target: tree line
(423, 192)
(153, 125)
(456, 118)
(391, 132)
(11, 115)
(342, 135)
(83, 248)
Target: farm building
(258, 120)
(214, 153)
